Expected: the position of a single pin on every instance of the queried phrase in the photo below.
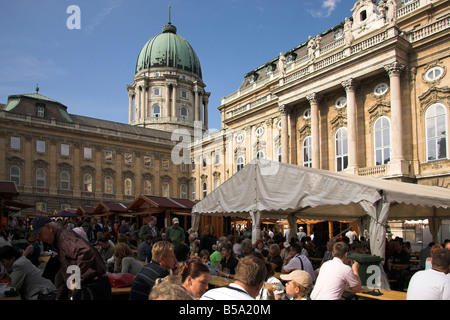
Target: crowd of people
(177, 264)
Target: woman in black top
(229, 260)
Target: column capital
(394, 68)
(350, 84)
(283, 109)
(313, 98)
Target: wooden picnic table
(386, 294)
(120, 291)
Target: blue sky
(87, 69)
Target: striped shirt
(231, 292)
(145, 280)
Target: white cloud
(96, 20)
(328, 6)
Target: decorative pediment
(338, 121)
(147, 176)
(40, 163)
(88, 169)
(165, 178)
(305, 131)
(15, 160)
(434, 95)
(378, 110)
(108, 172)
(128, 174)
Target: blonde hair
(161, 249)
(169, 291)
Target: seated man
(163, 263)
(434, 283)
(250, 275)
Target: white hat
(299, 276)
(286, 244)
(175, 220)
(300, 228)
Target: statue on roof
(348, 35)
(391, 15)
(282, 65)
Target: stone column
(130, 107)
(350, 89)
(167, 106)
(196, 111)
(199, 106)
(174, 100)
(398, 164)
(145, 102)
(314, 99)
(284, 111)
(205, 112)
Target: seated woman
(26, 277)
(195, 277)
(229, 261)
(125, 261)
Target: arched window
(204, 190)
(240, 163)
(109, 184)
(14, 175)
(183, 191)
(436, 132)
(87, 183)
(382, 140)
(147, 188)
(260, 155)
(307, 152)
(165, 189)
(64, 180)
(128, 187)
(156, 111)
(193, 191)
(184, 113)
(341, 152)
(279, 154)
(41, 178)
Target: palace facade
(369, 96)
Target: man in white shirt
(298, 261)
(334, 275)
(250, 274)
(300, 234)
(434, 283)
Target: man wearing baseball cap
(82, 268)
(299, 285)
(175, 234)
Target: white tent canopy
(270, 189)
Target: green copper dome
(168, 49)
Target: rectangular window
(15, 143)
(184, 94)
(216, 159)
(65, 150)
(147, 161)
(128, 158)
(40, 146)
(156, 92)
(165, 163)
(87, 153)
(108, 156)
(40, 111)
